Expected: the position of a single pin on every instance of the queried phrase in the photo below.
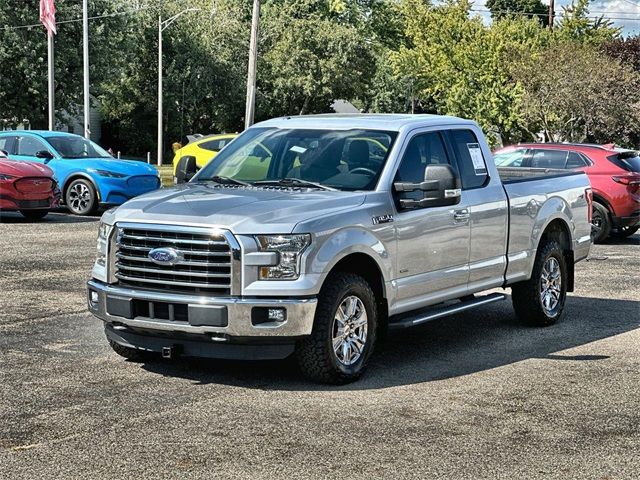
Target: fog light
(93, 298)
(277, 314)
(261, 315)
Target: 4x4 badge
(388, 218)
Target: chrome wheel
(79, 197)
(550, 285)
(349, 332)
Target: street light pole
(250, 107)
(162, 25)
(85, 65)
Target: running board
(424, 316)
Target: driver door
(433, 242)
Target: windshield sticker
(297, 149)
(475, 152)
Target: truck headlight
(103, 239)
(289, 249)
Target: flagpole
(85, 62)
(51, 86)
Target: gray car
(310, 235)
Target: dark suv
(614, 174)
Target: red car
(28, 188)
(614, 174)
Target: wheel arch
(83, 176)
(558, 230)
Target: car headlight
(289, 249)
(106, 173)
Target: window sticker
(475, 152)
(298, 149)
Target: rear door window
(29, 146)
(471, 162)
(549, 158)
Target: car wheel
(624, 232)
(344, 331)
(600, 223)
(133, 354)
(34, 214)
(81, 198)
(540, 300)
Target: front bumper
(213, 320)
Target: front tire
(600, 223)
(344, 331)
(81, 197)
(540, 300)
(34, 214)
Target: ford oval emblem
(165, 256)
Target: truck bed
(525, 174)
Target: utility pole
(250, 109)
(162, 25)
(551, 12)
(85, 65)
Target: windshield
(77, 147)
(339, 159)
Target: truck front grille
(205, 264)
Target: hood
(242, 210)
(125, 167)
(24, 169)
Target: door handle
(461, 215)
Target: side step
(426, 315)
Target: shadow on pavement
(58, 216)
(632, 240)
(450, 347)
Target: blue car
(88, 175)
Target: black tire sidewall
(92, 190)
(364, 294)
(605, 227)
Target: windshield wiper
(226, 181)
(289, 181)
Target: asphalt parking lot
(472, 396)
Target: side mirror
(441, 187)
(44, 154)
(187, 168)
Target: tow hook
(171, 352)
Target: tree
(576, 25)
(458, 65)
(627, 50)
(579, 95)
(527, 8)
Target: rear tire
(34, 214)
(624, 232)
(81, 197)
(540, 300)
(133, 354)
(601, 223)
(344, 331)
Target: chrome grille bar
(209, 260)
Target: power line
(542, 14)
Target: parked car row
(87, 176)
(614, 175)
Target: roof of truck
(378, 121)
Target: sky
(624, 13)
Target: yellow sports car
(203, 148)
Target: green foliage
(527, 8)
(579, 95)
(577, 26)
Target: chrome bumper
(299, 313)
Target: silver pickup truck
(313, 235)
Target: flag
(48, 15)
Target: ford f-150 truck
(312, 235)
